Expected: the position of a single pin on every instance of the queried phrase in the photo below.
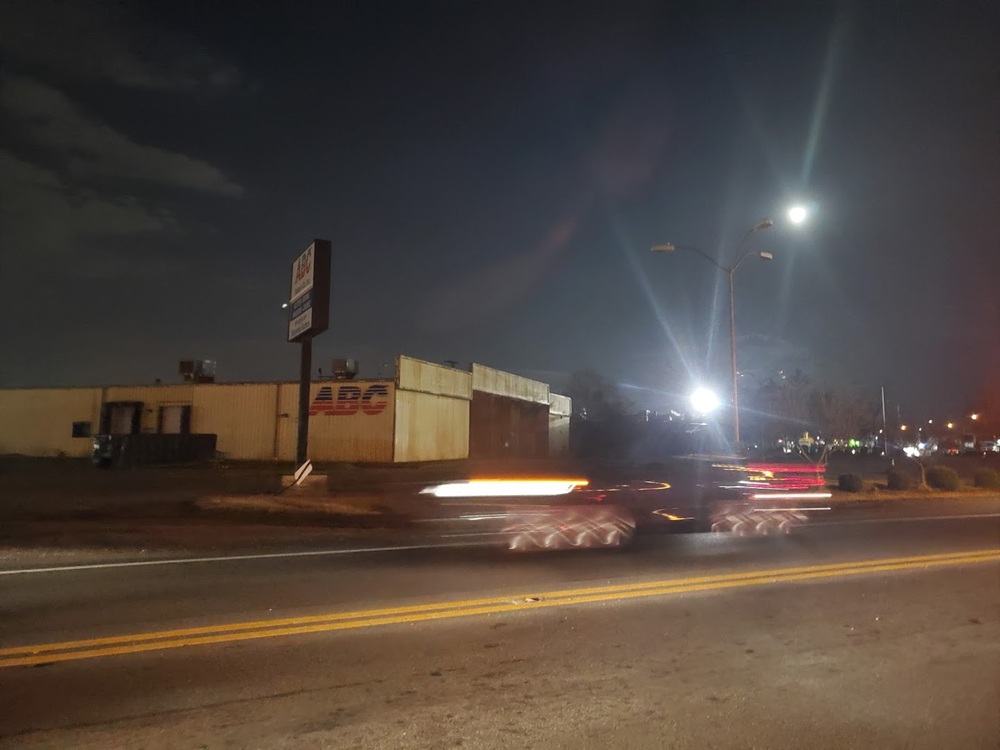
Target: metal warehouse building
(428, 412)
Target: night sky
(492, 176)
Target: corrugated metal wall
(287, 410)
(501, 427)
(560, 413)
(349, 421)
(39, 421)
(500, 383)
(427, 377)
(430, 427)
(432, 412)
(561, 406)
(509, 415)
(241, 414)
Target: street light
(798, 214)
(704, 401)
(740, 256)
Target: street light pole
(732, 357)
(730, 270)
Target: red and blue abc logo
(350, 399)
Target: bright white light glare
(911, 451)
(797, 214)
(704, 401)
(505, 488)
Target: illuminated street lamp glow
(974, 416)
(704, 401)
(797, 214)
(903, 427)
(951, 425)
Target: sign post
(305, 372)
(309, 315)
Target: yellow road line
(498, 600)
(142, 642)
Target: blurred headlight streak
(505, 488)
(791, 495)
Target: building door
(175, 419)
(121, 418)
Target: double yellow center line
(47, 653)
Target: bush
(988, 479)
(851, 483)
(899, 480)
(942, 478)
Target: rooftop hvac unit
(345, 369)
(197, 370)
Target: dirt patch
(342, 505)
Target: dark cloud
(42, 214)
(87, 39)
(93, 149)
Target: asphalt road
(879, 626)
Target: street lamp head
(763, 224)
(798, 214)
(704, 401)
(974, 417)
(765, 255)
(284, 305)
(669, 247)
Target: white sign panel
(309, 296)
(303, 271)
(300, 324)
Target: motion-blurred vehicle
(677, 479)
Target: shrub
(988, 479)
(899, 480)
(942, 478)
(851, 483)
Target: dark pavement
(851, 657)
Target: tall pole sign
(309, 315)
